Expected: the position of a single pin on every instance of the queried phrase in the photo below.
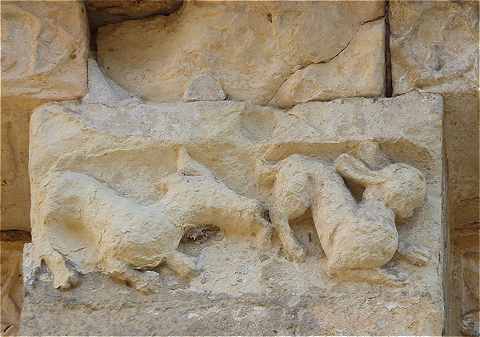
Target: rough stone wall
(44, 53)
(434, 47)
(254, 61)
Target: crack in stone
(323, 61)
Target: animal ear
(351, 168)
(186, 165)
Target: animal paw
(63, 276)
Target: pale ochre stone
(359, 70)
(44, 50)
(353, 235)
(249, 47)
(465, 267)
(434, 47)
(11, 286)
(204, 88)
(44, 53)
(15, 195)
(140, 174)
(127, 236)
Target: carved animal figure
(354, 235)
(194, 196)
(127, 236)
(199, 200)
(130, 237)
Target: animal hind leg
(292, 247)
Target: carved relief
(44, 54)
(354, 235)
(130, 238)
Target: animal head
(401, 187)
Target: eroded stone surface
(434, 47)
(249, 47)
(353, 235)
(204, 88)
(44, 49)
(11, 286)
(358, 70)
(134, 8)
(101, 89)
(153, 154)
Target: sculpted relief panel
(129, 238)
(239, 171)
(354, 235)
(245, 202)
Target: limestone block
(11, 286)
(249, 47)
(44, 50)
(358, 70)
(434, 47)
(44, 53)
(115, 189)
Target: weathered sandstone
(101, 89)
(204, 166)
(204, 88)
(11, 286)
(434, 47)
(44, 49)
(358, 70)
(232, 167)
(249, 47)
